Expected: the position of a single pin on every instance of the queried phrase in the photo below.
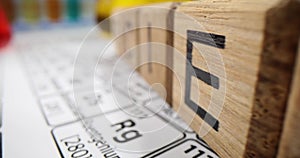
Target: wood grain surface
(235, 71)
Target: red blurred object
(5, 30)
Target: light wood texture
(124, 25)
(290, 142)
(155, 60)
(244, 72)
(116, 27)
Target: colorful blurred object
(106, 7)
(54, 10)
(73, 10)
(31, 10)
(48, 14)
(5, 30)
(9, 8)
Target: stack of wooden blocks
(231, 69)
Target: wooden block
(117, 27)
(290, 143)
(125, 31)
(234, 71)
(155, 40)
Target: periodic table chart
(86, 118)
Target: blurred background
(26, 15)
